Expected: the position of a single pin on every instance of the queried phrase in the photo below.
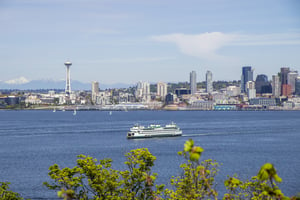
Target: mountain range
(24, 84)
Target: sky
(126, 41)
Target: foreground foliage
(5, 193)
(95, 179)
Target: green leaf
(188, 145)
(194, 156)
(60, 194)
(277, 178)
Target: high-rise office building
(250, 88)
(143, 91)
(297, 86)
(193, 82)
(291, 80)
(95, 90)
(209, 82)
(286, 90)
(276, 86)
(262, 85)
(283, 79)
(283, 75)
(162, 89)
(247, 75)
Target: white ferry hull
(156, 132)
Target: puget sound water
(31, 141)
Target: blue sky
(124, 41)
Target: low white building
(233, 91)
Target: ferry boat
(138, 131)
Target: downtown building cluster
(282, 92)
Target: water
(31, 141)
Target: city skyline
(127, 41)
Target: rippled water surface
(31, 141)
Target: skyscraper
(250, 88)
(209, 82)
(162, 89)
(297, 88)
(283, 73)
(283, 78)
(262, 84)
(291, 80)
(286, 90)
(193, 82)
(68, 78)
(143, 91)
(276, 86)
(247, 75)
(95, 90)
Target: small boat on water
(138, 131)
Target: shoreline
(143, 109)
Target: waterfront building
(162, 90)
(276, 86)
(122, 97)
(95, 90)
(104, 98)
(170, 98)
(286, 90)
(233, 91)
(68, 78)
(219, 98)
(193, 82)
(250, 88)
(288, 105)
(291, 80)
(182, 91)
(247, 75)
(297, 86)
(262, 85)
(283, 77)
(209, 82)
(224, 107)
(296, 103)
(265, 102)
(143, 91)
(201, 105)
(11, 100)
(284, 73)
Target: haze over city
(124, 41)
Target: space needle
(68, 79)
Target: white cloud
(206, 45)
(202, 45)
(17, 81)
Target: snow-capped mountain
(17, 81)
(24, 84)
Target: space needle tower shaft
(68, 79)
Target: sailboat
(74, 113)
